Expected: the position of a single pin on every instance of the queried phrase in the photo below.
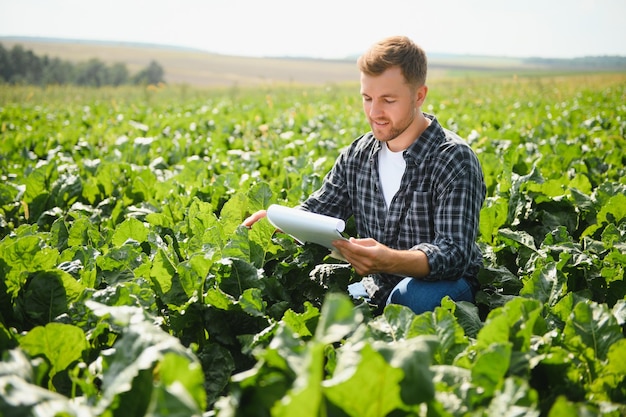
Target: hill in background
(200, 68)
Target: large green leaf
(491, 366)
(338, 319)
(591, 330)
(61, 344)
(18, 398)
(547, 284)
(130, 371)
(46, 295)
(369, 388)
(22, 256)
(613, 211)
(305, 399)
(450, 336)
(131, 229)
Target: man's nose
(374, 110)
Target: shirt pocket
(418, 227)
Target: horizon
(437, 54)
(330, 29)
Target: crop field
(128, 286)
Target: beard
(390, 131)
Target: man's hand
(365, 255)
(368, 256)
(254, 217)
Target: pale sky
(333, 28)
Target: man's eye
(390, 101)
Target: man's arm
(367, 256)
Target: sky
(332, 28)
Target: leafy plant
(129, 286)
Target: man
(414, 188)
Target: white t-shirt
(391, 167)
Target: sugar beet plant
(129, 288)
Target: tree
(58, 72)
(20, 66)
(118, 74)
(153, 74)
(25, 66)
(92, 73)
(6, 68)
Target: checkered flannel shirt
(436, 210)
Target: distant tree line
(21, 66)
(609, 62)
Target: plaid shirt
(436, 210)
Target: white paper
(305, 226)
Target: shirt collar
(429, 140)
(422, 146)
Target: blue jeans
(420, 295)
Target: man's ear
(420, 95)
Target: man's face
(391, 106)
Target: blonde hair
(395, 51)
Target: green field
(129, 288)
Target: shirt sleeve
(332, 198)
(460, 194)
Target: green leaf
(251, 301)
(234, 212)
(18, 398)
(62, 344)
(302, 324)
(304, 399)
(413, 356)
(442, 324)
(200, 217)
(83, 232)
(493, 216)
(259, 197)
(121, 264)
(218, 365)
(129, 368)
(37, 194)
(219, 299)
(466, 315)
(370, 389)
(338, 318)
(613, 211)
(234, 276)
(47, 295)
(130, 229)
(591, 329)
(516, 322)
(616, 360)
(66, 189)
(547, 284)
(490, 367)
(241, 247)
(519, 238)
(515, 399)
(394, 324)
(24, 255)
(564, 408)
(180, 391)
(162, 272)
(193, 273)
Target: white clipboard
(305, 226)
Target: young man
(414, 188)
